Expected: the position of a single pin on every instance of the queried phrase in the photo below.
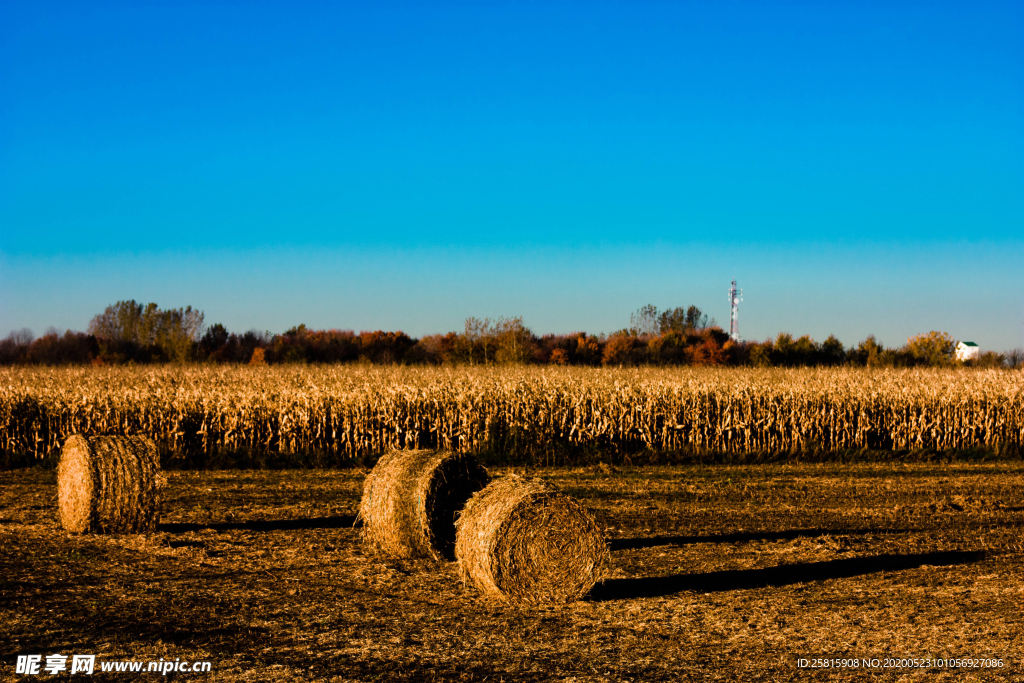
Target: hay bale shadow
(784, 575)
(742, 537)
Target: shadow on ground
(713, 582)
(340, 522)
(654, 542)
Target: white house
(966, 350)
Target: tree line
(129, 332)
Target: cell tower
(735, 297)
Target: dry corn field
(335, 415)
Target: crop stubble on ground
(721, 573)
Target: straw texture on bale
(521, 540)
(109, 484)
(411, 498)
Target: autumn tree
(588, 350)
(869, 352)
(934, 348)
(623, 348)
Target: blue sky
(858, 167)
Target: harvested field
(295, 416)
(729, 573)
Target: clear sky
(858, 167)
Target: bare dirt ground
(721, 573)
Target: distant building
(966, 350)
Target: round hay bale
(522, 540)
(108, 484)
(411, 498)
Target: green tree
(514, 341)
(681, 319)
(761, 354)
(669, 348)
(783, 350)
(696, 319)
(118, 323)
(128, 330)
(477, 343)
(832, 351)
(178, 332)
(805, 351)
(215, 337)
